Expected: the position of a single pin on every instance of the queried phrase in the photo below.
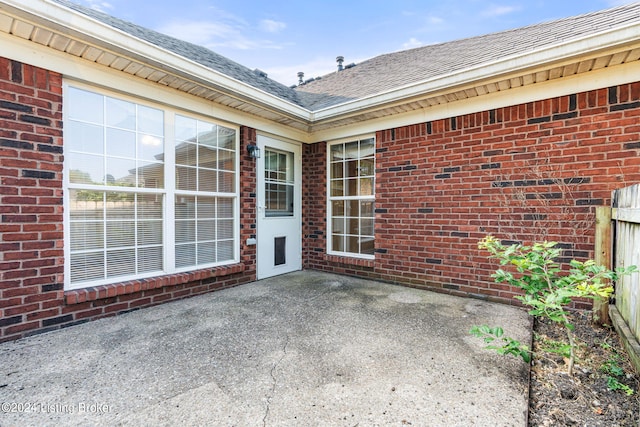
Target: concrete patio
(304, 349)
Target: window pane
(149, 233)
(186, 154)
(186, 178)
(352, 187)
(150, 147)
(226, 138)
(337, 225)
(150, 120)
(337, 207)
(121, 233)
(121, 143)
(366, 167)
(207, 134)
(186, 129)
(185, 207)
(121, 172)
(225, 229)
(207, 157)
(367, 246)
(225, 251)
(351, 151)
(84, 137)
(150, 259)
(206, 252)
(337, 152)
(150, 175)
(85, 106)
(121, 262)
(226, 182)
(353, 225)
(206, 207)
(206, 230)
(225, 208)
(337, 188)
(185, 255)
(352, 169)
(366, 209)
(86, 205)
(353, 207)
(337, 170)
(86, 235)
(87, 266)
(185, 231)
(120, 205)
(226, 160)
(207, 180)
(353, 244)
(366, 227)
(366, 187)
(121, 114)
(86, 169)
(367, 148)
(337, 243)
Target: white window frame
(331, 198)
(168, 192)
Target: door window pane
(279, 183)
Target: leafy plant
(614, 371)
(548, 288)
(509, 346)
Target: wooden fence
(625, 217)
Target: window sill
(94, 293)
(360, 262)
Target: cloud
(216, 34)
(101, 6)
(271, 26)
(434, 20)
(413, 42)
(496, 10)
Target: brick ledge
(361, 262)
(94, 293)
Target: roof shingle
(394, 70)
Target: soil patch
(603, 390)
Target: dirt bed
(603, 390)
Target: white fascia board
(575, 48)
(602, 78)
(57, 15)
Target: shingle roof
(193, 52)
(394, 70)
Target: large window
(139, 203)
(351, 198)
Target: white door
(279, 225)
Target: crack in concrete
(274, 379)
(284, 354)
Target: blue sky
(283, 37)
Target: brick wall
(521, 173)
(32, 298)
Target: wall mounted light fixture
(254, 151)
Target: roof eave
(615, 38)
(55, 15)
